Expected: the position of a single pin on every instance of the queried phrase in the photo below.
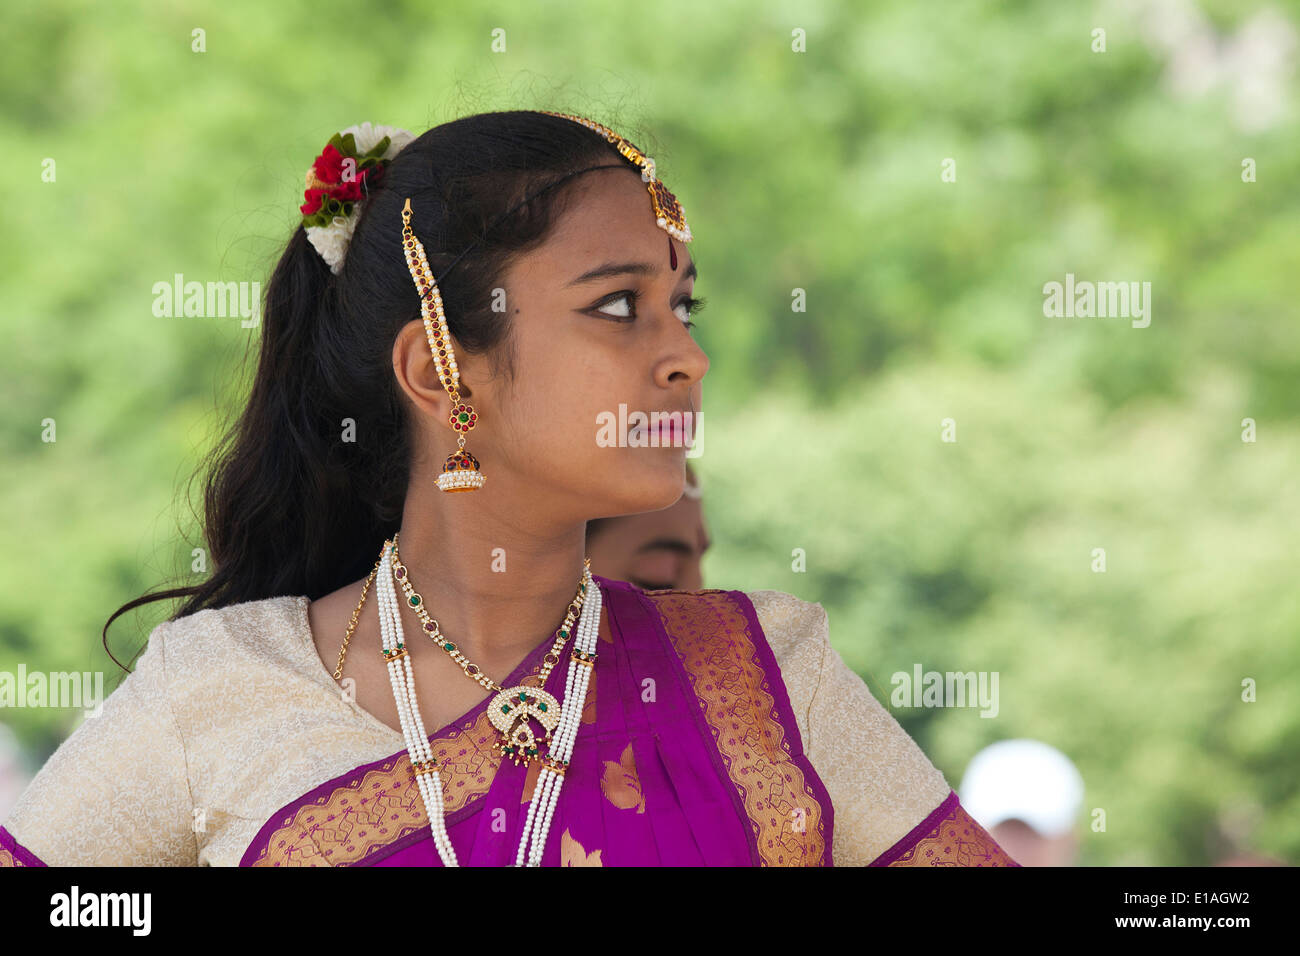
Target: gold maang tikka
(460, 472)
(667, 210)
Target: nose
(686, 363)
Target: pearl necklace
(550, 778)
(513, 708)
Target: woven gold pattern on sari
(620, 783)
(371, 809)
(8, 859)
(573, 853)
(956, 840)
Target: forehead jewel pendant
(667, 210)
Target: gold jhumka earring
(460, 472)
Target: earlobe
(416, 373)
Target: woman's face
(599, 319)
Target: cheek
(568, 387)
(548, 412)
(533, 390)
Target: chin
(649, 486)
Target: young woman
(489, 292)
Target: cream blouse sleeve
(880, 782)
(116, 792)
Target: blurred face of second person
(1028, 847)
(654, 550)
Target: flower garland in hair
(351, 164)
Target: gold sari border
(743, 699)
(948, 836)
(13, 853)
(370, 808)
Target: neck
(497, 588)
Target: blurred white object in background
(1027, 794)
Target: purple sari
(688, 754)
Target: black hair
(291, 508)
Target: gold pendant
(510, 712)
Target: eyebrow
(666, 544)
(629, 268)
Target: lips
(670, 428)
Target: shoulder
(794, 630)
(226, 670)
(798, 633)
(281, 615)
(786, 621)
(878, 779)
(173, 736)
(270, 631)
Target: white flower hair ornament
(351, 164)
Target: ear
(417, 372)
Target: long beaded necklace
(512, 709)
(550, 778)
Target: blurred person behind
(1027, 794)
(655, 550)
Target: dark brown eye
(627, 294)
(631, 296)
(650, 586)
(691, 306)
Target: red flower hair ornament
(351, 164)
